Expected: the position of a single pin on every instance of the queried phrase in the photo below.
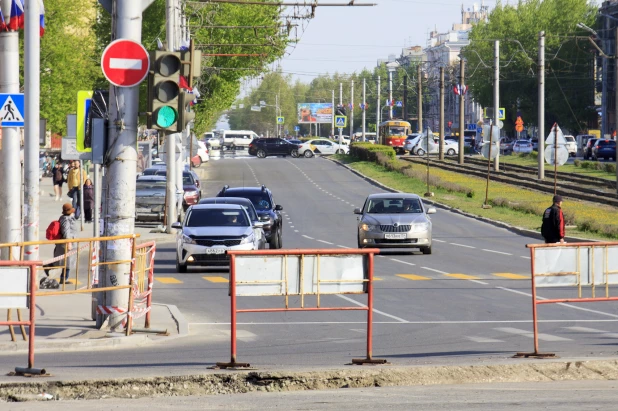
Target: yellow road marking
(377, 279)
(512, 276)
(413, 277)
(462, 276)
(72, 281)
(216, 279)
(168, 280)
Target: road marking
(593, 331)
(497, 252)
(214, 279)
(413, 322)
(402, 262)
(377, 279)
(523, 256)
(168, 280)
(462, 245)
(479, 282)
(401, 320)
(306, 236)
(295, 231)
(462, 276)
(72, 281)
(325, 242)
(435, 271)
(439, 241)
(413, 277)
(512, 276)
(530, 334)
(291, 226)
(343, 246)
(483, 340)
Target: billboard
(315, 113)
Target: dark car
(604, 149)
(269, 212)
(150, 194)
(506, 146)
(264, 147)
(587, 151)
(189, 185)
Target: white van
(369, 137)
(232, 139)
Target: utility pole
(404, 109)
(170, 140)
(378, 112)
(122, 166)
(32, 53)
(364, 106)
(616, 98)
(541, 114)
(352, 111)
(419, 86)
(277, 113)
(340, 103)
(10, 201)
(462, 65)
(441, 113)
(333, 116)
(497, 98)
(390, 94)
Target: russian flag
(42, 17)
(2, 22)
(16, 17)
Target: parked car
(451, 148)
(150, 195)
(604, 149)
(535, 144)
(233, 139)
(394, 220)
(264, 147)
(587, 151)
(190, 184)
(267, 209)
(506, 146)
(571, 145)
(410, 142)
(209, 230)
(322, 146)
(201, 156)
(212, 142)
(522, 147)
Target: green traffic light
(166, 116)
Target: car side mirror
(431, 210)
(278, 207)
(177, 225)
(357, 211)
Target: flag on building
(390, 103)
(42, 18)
(16, 16)
(459, 89)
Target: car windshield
(523, 142)
(217, 217)
(397, 131)
(393, 206)
(606, 143)
(150, 185)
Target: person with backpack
(552, 228)
(58, 180)
(62, 229)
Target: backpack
(546, 229)
(48, 283)
(53, 231)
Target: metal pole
(378, 115)
(390, 94)
(404, 109)
(352, 111)
(497, 98)
(170, 186)
(81, 195)
(96, 225)
(462, 67)
(276, 114)
(541, 114)
(340, 103)
(556, 157)
(419, 85)
(616, 98)
(122, 169)
(441, 113)
(333, 116)
(10, 201)
(32, 54)
(364, 107)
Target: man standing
(552, 228)
(74, 186)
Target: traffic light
(191, 65)
(98, 109)
(184, 115)
(340, 110)
(164, 90)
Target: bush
(577, 163)
(610, 167)
(368, 151)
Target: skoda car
(209, 230)
(395, 220)
(322, 146)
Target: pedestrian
(88, 200)
(66, 232)
(74, 185)
(58, 180)
(552, 228)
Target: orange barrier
(143, 282)
(583, 265)
(301, 273)
(31, 294)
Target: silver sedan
(395, 220)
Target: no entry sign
(125, 63)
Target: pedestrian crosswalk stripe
(530, 334)
(512, 276)
(377, 279)
(413, 277)
(168, 280)
(72, 281)
(483, 339)
(214, 279)
(462, 276)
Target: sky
(347, 39)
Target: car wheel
(308, 153)
(450, 152)
(294, 153)
(420, 152)
(261, 154)
(426, 250)
(197, 163)
(181, 268)
(358, 242)
(275, 242)
(340, 151)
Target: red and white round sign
(125, 63)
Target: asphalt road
(467, 302)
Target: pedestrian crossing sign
(280, 120)
(340, 121)
(12, 110)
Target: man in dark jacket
(552, 228)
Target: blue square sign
(12, 110)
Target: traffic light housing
(341, 110)
(164, 90)
(184, 115)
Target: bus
(394, 133)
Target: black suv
(264, 204)
(263, 147)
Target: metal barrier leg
(8, 319)
(21, 327)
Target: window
(217, 218)
(393, 205)
(150, 185)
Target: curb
(70, 344)
(517, 230)
(181, 322)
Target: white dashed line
(325, 242)
(462, 245)
(343, 246)
(523, 256)
(402, 262)
(497, 252)
(291, 226)
(434, 270)
(401, 320)
(295, 231)
(479, 282)
(306, 236)
(439, 241)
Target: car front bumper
(410, 240)
(193, 254)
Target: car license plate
(215, 250)
(395, 236)
(143, 210)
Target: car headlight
(190, 193)
(247, 240)
(187, 240)
(369, 227)
(419, 228)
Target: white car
(322, 146)
(522, 147)
(451, 148)
(571, 145)
(411, 142)
(213, 142)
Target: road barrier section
(19, 279)
(315, 272)
(586, 266)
